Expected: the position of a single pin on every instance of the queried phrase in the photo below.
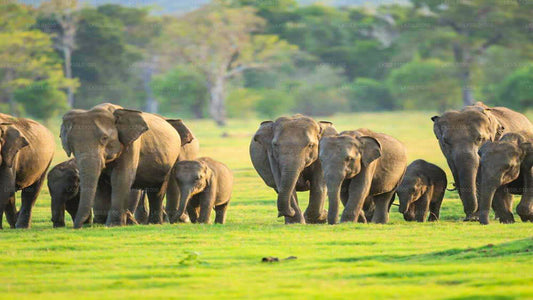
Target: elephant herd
(488, 150)
(122, 155)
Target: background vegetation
(246, 58)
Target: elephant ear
(371, 149)
(496, 129)
(326, 129)
(527, 150)
(436, 127)
(265, 133)
(184, 132)
(130, 125)
(483, 149)
(12, 142)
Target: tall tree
(218, 41)
(473, 26)
(28, 56)
(64, 13)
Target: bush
(274, 103)
(367, 94)
(41, 99)
(516, 91)
(183, 89)
(241, 102)
(427, 84)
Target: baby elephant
(64, 186)
(204, 184)
(421, 191)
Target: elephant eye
(348, 158)
(480, 139)
(104, 139)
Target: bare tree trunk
(152, 106)
(10, 96)
(68, 74)
(468, 95)
(217, 106)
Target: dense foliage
(241, 58)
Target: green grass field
(449, 259)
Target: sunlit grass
(445, 260)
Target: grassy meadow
(449, 259)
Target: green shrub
(274, 103)
(516, 91)
(41, 99)
(367, 94)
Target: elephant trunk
(90, 170)
(486, 195)
(404, 205)
(334, 196)
(184, 197)
(467, 166)
(289, 177)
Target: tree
(473, 27)
(218, 41)
(27, 55)
(516, 91)
(424, 85)
(64, 12)
(366, 94)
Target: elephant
(189, 150)
(26, 151)
(64, 186)
(284, 153)
(205, 184)
(461, 134)
(421, 191)
(505, 169)
(369, 166)
(118, 149)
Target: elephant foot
(100, 219)
(141, 216)
(23, 222)
(59, 224)
(130, 219)
(322, 218)
(525, 213)
(184, 218)
(155, 217)
(348, 218)
(116, 218)
(507, 218)
(297, 219)
(173, 216)
(408, 217)
(471, 218)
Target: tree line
(239, 58)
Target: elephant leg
(71, 206)
(315, 212)
(421, 208)
(503, 201)
(381, 214)
(155, 198)
(142, 210)
(193, 209)
(102, 202)
(11, 211)
(358, 192)
(525, 207)
(173, 197)
(28, 196)
(220, 211)
(298, 217)
(365, 214)
(434, 209)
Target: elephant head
(460, 135)
(410, 190)
(11, 141)
(500, 164)
(96, 138)
(292, 145)
(343, 157)
(193, 177)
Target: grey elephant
(26, 151)
(190, 147)
(369, 165)
(461, 134)
(505, 169)
(118, 149)
(64, 187)
(422, 191)
(285, 154)
(205, 184)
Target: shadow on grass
(522, 247)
